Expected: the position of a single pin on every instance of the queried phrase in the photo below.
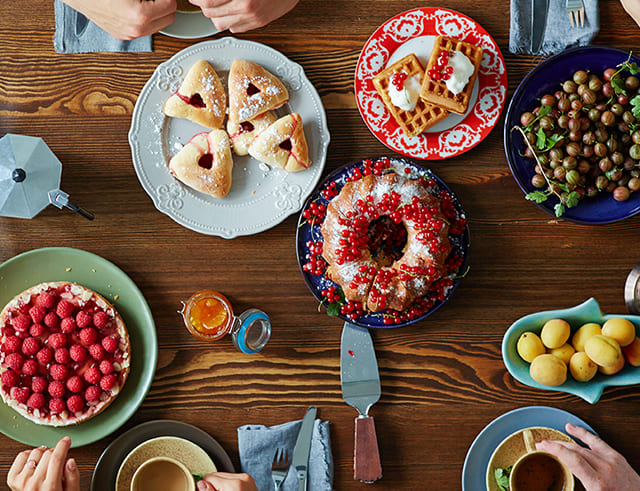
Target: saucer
(513, 447)
(185, 451)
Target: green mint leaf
(197, 476)
(618, 86)
(502, 478)
(633, 68)
(559, 209)
(537, 196)
(563, 186)
(541, 142)
(544, 111)
(573, 199)
(333, 309)
(552, 140)
(635, 105)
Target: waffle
(435, 91)
(424, 115)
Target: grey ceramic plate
(190, 25)
(106, 470)
(260, 197)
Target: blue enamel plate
(546, 78)
(310, 232)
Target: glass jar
(208, 316)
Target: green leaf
(618, 86)
(562, 186)
(541, 142)
(573, 199)
(333, 309)
(197, 476)
(502, 478)
(537, 196)
(633, 68)
(635, 105)
(544, 111)
(559, 209)
(552, 140)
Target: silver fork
(280, 467)
(576, 12)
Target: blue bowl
(546, 79)
(588, 311)
(306, 232)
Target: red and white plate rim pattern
(492, 80)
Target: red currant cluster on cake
(397, 80)
(441, 70)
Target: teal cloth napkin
(76, 34)
(559, 34)
(257, 445)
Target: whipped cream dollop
(462, 71)
(407, 97)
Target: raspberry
(37, 313)
(74, 384)
(68, 324)
(36, 330)
(57, 340)
(56, 406)
(78, 353)
(38, 384)
(9, 378)
(92, 375)
(83, 319)
(44, 356)
(14, 360)
(35, 401)
(109, 344)
(30, 346)
(56, 389)
(107, 382)
(106, 367)
(58, 372)
(21, 322)
(96, 351)
(30, 367)
(12, 344)
(62, 355)
(92, 393)
(51, 320)
(75, 403)
(100, 319)
(20, 394)
(88, 336)
(64, 309)
(46, 300)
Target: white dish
(190, 26)
(260, 197)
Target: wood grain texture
(443, 379)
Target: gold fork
(576, 12)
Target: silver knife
(361, 389)
(539, 9)
(301, 451)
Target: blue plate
(480, 451)
(588, 311)
(546, 79)
(305, 233)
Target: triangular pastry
(201, 97)
(253, 91)
(242, 134)
(205, 163)
(283, 145)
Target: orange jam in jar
(208, 315)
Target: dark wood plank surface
(443, 379)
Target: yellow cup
(162, 473)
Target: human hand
(127, 19)
(225, 481)
(243, 15)
(599, 467)
(633, 9)
(45, 469)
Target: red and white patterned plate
(414, 31)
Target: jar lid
(632, 290)
(251, 331)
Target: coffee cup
(537, 470)
(162, 473)
(187, 8)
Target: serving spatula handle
(366, 456)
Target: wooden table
(443, 379)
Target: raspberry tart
(65, 354)
(283, 145)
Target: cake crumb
(116, 297)
(93, 269)
(68, 269)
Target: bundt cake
(349, 232)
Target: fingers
(225, 481)
(71, 481)
(595, 443)
(57, 459)
(205, 486)
(570, 455)
(18, 464)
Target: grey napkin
(257, 445)
(559, 34)
(76, 34)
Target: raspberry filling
(252, 89)
(195, 100)
(206, 161)
(246, 127)
(286, 145)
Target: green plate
(77, 266)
